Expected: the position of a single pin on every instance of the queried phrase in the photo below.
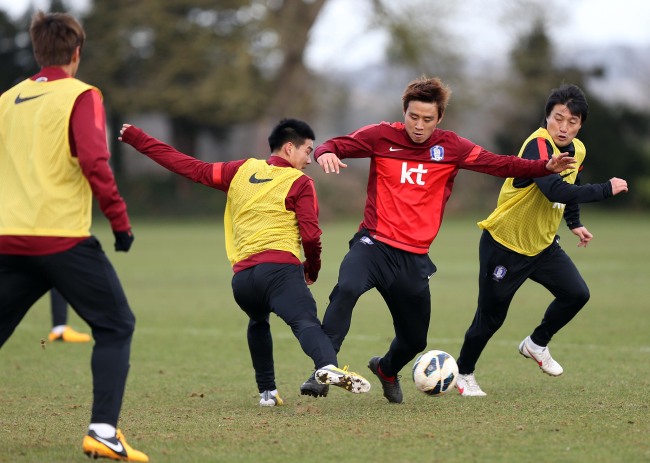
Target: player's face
(562, 125)
(300, 156)
(421, 119)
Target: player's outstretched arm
(560, 162)
(168, 157)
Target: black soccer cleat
(313, 388)
(392, 389)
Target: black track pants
(501, 274)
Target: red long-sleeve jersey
(409, 183)
(301, 197)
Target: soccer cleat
(271, 399)
(69, 335)
(468, 387)
(541, 355)
(114, 448)
(392, 389)
(314, 388)
(348, 380)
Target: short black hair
(572, 97)
(290, 130)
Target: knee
(347, 289)
(419, 345)
(581, 295)
(118, 328)
(126, 328)
(576, 296)
(414, 344)
(486, 324)
(308, 328)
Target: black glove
(123, 240)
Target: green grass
(191, 395)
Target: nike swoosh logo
(539, 362)
(254, 179)
(20, 99)
(461, 389)
(429, 277)
(566, 175)
(394, 149)
(117, 448)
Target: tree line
(215, 66)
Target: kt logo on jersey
(407, 174)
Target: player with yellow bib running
(520, 241)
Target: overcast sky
(483, 27)
(338, 35)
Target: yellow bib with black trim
(256, 218)
(524, 220)
(43, 191)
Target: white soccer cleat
(348, 380)
(271, 399)
(468, 387)
(541, 355)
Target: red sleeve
(88, 144)
(481, 160)
(302, 199)
(216, 175)
(223, 173)
(359, 144)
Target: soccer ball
(435, 372)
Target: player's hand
(124, 127)
(584, 235)
(330, 162)
(560, 162)
(310, 275)
(618, 185)
(123, 240)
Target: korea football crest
(499, 273)
(437, 153)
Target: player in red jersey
(412, 169)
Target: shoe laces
(542, 355)
(345, 369)
(545, 356)
(471, 381)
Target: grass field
(191, 395)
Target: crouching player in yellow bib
(271, 210)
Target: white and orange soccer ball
(435, 372)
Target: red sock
(386, 378)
